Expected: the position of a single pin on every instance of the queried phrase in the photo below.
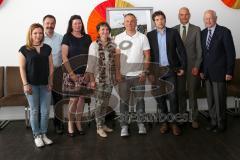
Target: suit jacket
(193, 46)
(219, 59)
(176, 53)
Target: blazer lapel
(205, 32)
(156, 46)
(189, 33)
(178, 28)
(214, 36)
(167, 41)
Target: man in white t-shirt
(133, 56)
(54, 40)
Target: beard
(50, 28)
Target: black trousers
(57, 119)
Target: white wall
(17, 15)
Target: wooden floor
(16, 143)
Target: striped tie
(209, 38)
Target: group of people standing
(188, 52)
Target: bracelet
(26, 84)
(71, 73)
(146, 72)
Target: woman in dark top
(36, 68)
(75, 44)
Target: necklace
(37, 45)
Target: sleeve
(22, 50)
(60, 38)
(65, 40)
(116, 41)
(89, 40)
(230, 51)
(201, 64)
(151, 47)
(180, 50)
(198, 48)
(146, 45)
(92, 58)
(48, 49)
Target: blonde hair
(29, 43)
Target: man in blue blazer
(217, 68)
(167, 50)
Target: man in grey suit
(191, 37)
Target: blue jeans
(39, 101)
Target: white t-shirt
(132, 57)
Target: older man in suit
(167, 50)
(217, 68)
(191, 37)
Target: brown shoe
(195, 124)
(163, 128)
(175, 130)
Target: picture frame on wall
(115, 18)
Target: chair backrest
(13, 81)
(1, 81)
(236, 76)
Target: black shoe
(219, 129)
(211, 128)
(81, 132)
(71, 134)
(59, 129)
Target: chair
(233, 90)
(1, 81)
(14, 95)
(202, 93)
(3, 123)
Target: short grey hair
(212, 12)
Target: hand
(142, 77)
(50, 86)
(92, 85)
(86, 77)
(27, 89)
(180, 72)
(151, 78)
(228, 77)
(202, 76)
(118, 77)
(74, 77)
(195, 71)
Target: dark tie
(184, 34)
(209, 38)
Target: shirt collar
(187, 25)
(213, 28)
(136, 34)
(49, 37)
(164, 31)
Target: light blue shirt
(162, 45)
(55, 43)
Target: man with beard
(54, 40)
